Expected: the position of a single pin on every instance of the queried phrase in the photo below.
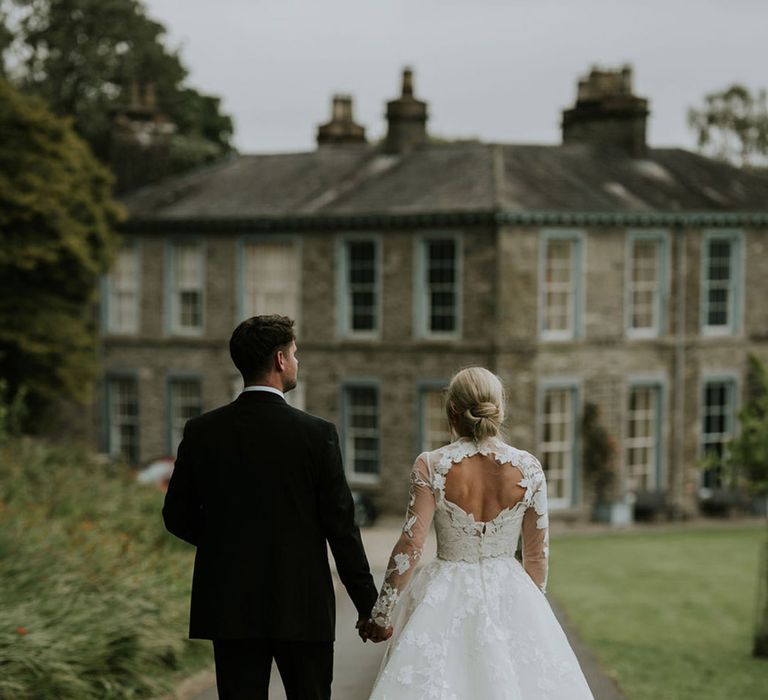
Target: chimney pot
(606, 112)
(342, 128)
(150, 96)
(407, 82)
(406, 119)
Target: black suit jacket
(259, 488)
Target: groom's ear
(280, 360)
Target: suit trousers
(243, 668)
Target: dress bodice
(460, 537)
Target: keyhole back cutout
(482, 487)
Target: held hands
(368, 629)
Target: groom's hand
(368, 629)
(362, 628)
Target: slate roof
(359, 180)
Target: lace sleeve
(535, 532)
(407, 550)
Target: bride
(474, 624)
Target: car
(365, 509)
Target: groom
(259, 489)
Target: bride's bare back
(483, 487)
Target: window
(361, 432)
(440, 291)
(270, 278)
(642, 442)
(184, 402)
(558, 442)
(122, 291)
(718, 421)
(359, 284)
(560, 285)
(123, 418)
(435, 431)
(646, 284)
(721, 279)
(187, 285)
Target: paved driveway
(356, 664)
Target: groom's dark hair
(256, 340)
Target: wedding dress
(474, 623)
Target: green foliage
(56, 240)
(747, 452)
(599, 453)
(12, 412)
(732, 125)
(82, 55)
(93, 592)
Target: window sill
(363, 480)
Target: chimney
(139, 149)
(607, 113)
(342, 128)
(406, 119)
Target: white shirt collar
(270, 389)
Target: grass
(93, 592)
(670, 615)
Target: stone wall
(500, 322)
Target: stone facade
(500, 307)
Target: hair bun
(486, 409)
(475, 403)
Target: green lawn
(669, 614)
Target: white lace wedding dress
(474, 624)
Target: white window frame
(425, 390)
(243, 309)
(111, 428)
(109, 291)
(577, 238)
(348, 434)
(173, 326)
(344, 287)
(175, 430)
(573, 466)
(661, 293)
(422, 296)
(735, 287)
(657, 384)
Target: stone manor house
(595, 270)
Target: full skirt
(477, 631)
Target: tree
(56, 240)
(598, 454)
(732, 125)
(747, 453)
(6, 38)
(83, 56)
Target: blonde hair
(475, 403)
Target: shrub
(93, 591)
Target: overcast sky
(500, 70)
